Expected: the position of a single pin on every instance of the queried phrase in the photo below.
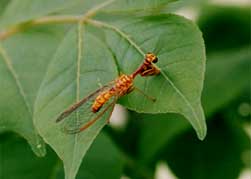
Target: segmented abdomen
(122, 86)
(101, 100)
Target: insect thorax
(123, 84)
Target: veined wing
(79, 116)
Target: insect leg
(130, 89)
(153, 99)
(88, 124)
(150, 72)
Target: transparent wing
(82, 118)
(79, 116)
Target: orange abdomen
(123, 85)
(101, 100)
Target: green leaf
(140, 5)
(115, 6)
(22, 11)
(85, 59)
(3, 4)
(220, 24)
(95, 165)
(102, 160)
(60, 89)
(181, 60)
(188, 4)
(219, 156)
(23, 61)
(232, 70)
(19, 162)
(158, 131)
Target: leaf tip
(39, 149)
(203, 132)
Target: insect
(87, 111)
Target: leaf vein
(121, 33)
(134, 44)
(184, 98)
(80, 47)
(55, 96)
(10, 67)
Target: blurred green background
(148, 146)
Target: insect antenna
(159, 45)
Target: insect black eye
(155, 60)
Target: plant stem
(41, 21)
(56, 20)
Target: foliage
(53, 53)
(15, 149)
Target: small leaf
(23, 61)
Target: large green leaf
(96, 165)
(22, 11)
(223, 70)
(89, 56)
(23, 61)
